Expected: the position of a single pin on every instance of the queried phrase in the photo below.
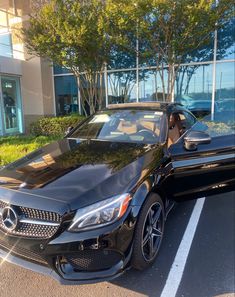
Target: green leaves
(67, 32)
(84, 35)
(168, 31)
(70, 34)
(54, 126)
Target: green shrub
(54, 126)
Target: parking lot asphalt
(209, 270)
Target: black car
(93, 204)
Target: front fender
(142, 192)
(151, 184)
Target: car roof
(161, 106)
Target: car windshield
(135, 126)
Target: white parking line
(177, 268)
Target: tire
(148, 233)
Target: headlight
(101, 213)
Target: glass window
(121, 87)
(174, 128)
(225, 81)
(6, 45)
(225, 90)
(224, 118)
(226, 41)
(179, 123)
(134, 126)
(193, 88)
(148, 89)
(11, 106)
(60, 70)
(189, 120)
(5, 36)
(66, 95)
(151, 85)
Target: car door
(207, 169)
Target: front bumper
(75, 258)
(79, 278)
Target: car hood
(80, 173)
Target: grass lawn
(15, 147)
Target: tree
(68, 33)
(85, 36)
(168, 30)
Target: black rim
(152, 231)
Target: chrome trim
(6, 217)
(197, 140)
(36, 222)
(202, 160)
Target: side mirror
(68, 131)
(194, 138)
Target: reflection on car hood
(70, 169)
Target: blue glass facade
(194, 78)
(66, 95)
(194, 82)
(226, 41)
(225, 79)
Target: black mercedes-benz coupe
(93, 204)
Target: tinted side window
(185, 121)
(189, 120)
(179, 123)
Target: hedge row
(54, 126)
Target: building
(31, 88)
(26, 82)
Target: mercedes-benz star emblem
(9, 218)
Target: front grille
(32, 230)
(40, 215)
(93, 260)
(3, 204)
(23, 253)
(33, 222)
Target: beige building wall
(35, 73)
(47, 87)
(37, 90)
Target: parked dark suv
(87, 207)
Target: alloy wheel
(152, 231)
